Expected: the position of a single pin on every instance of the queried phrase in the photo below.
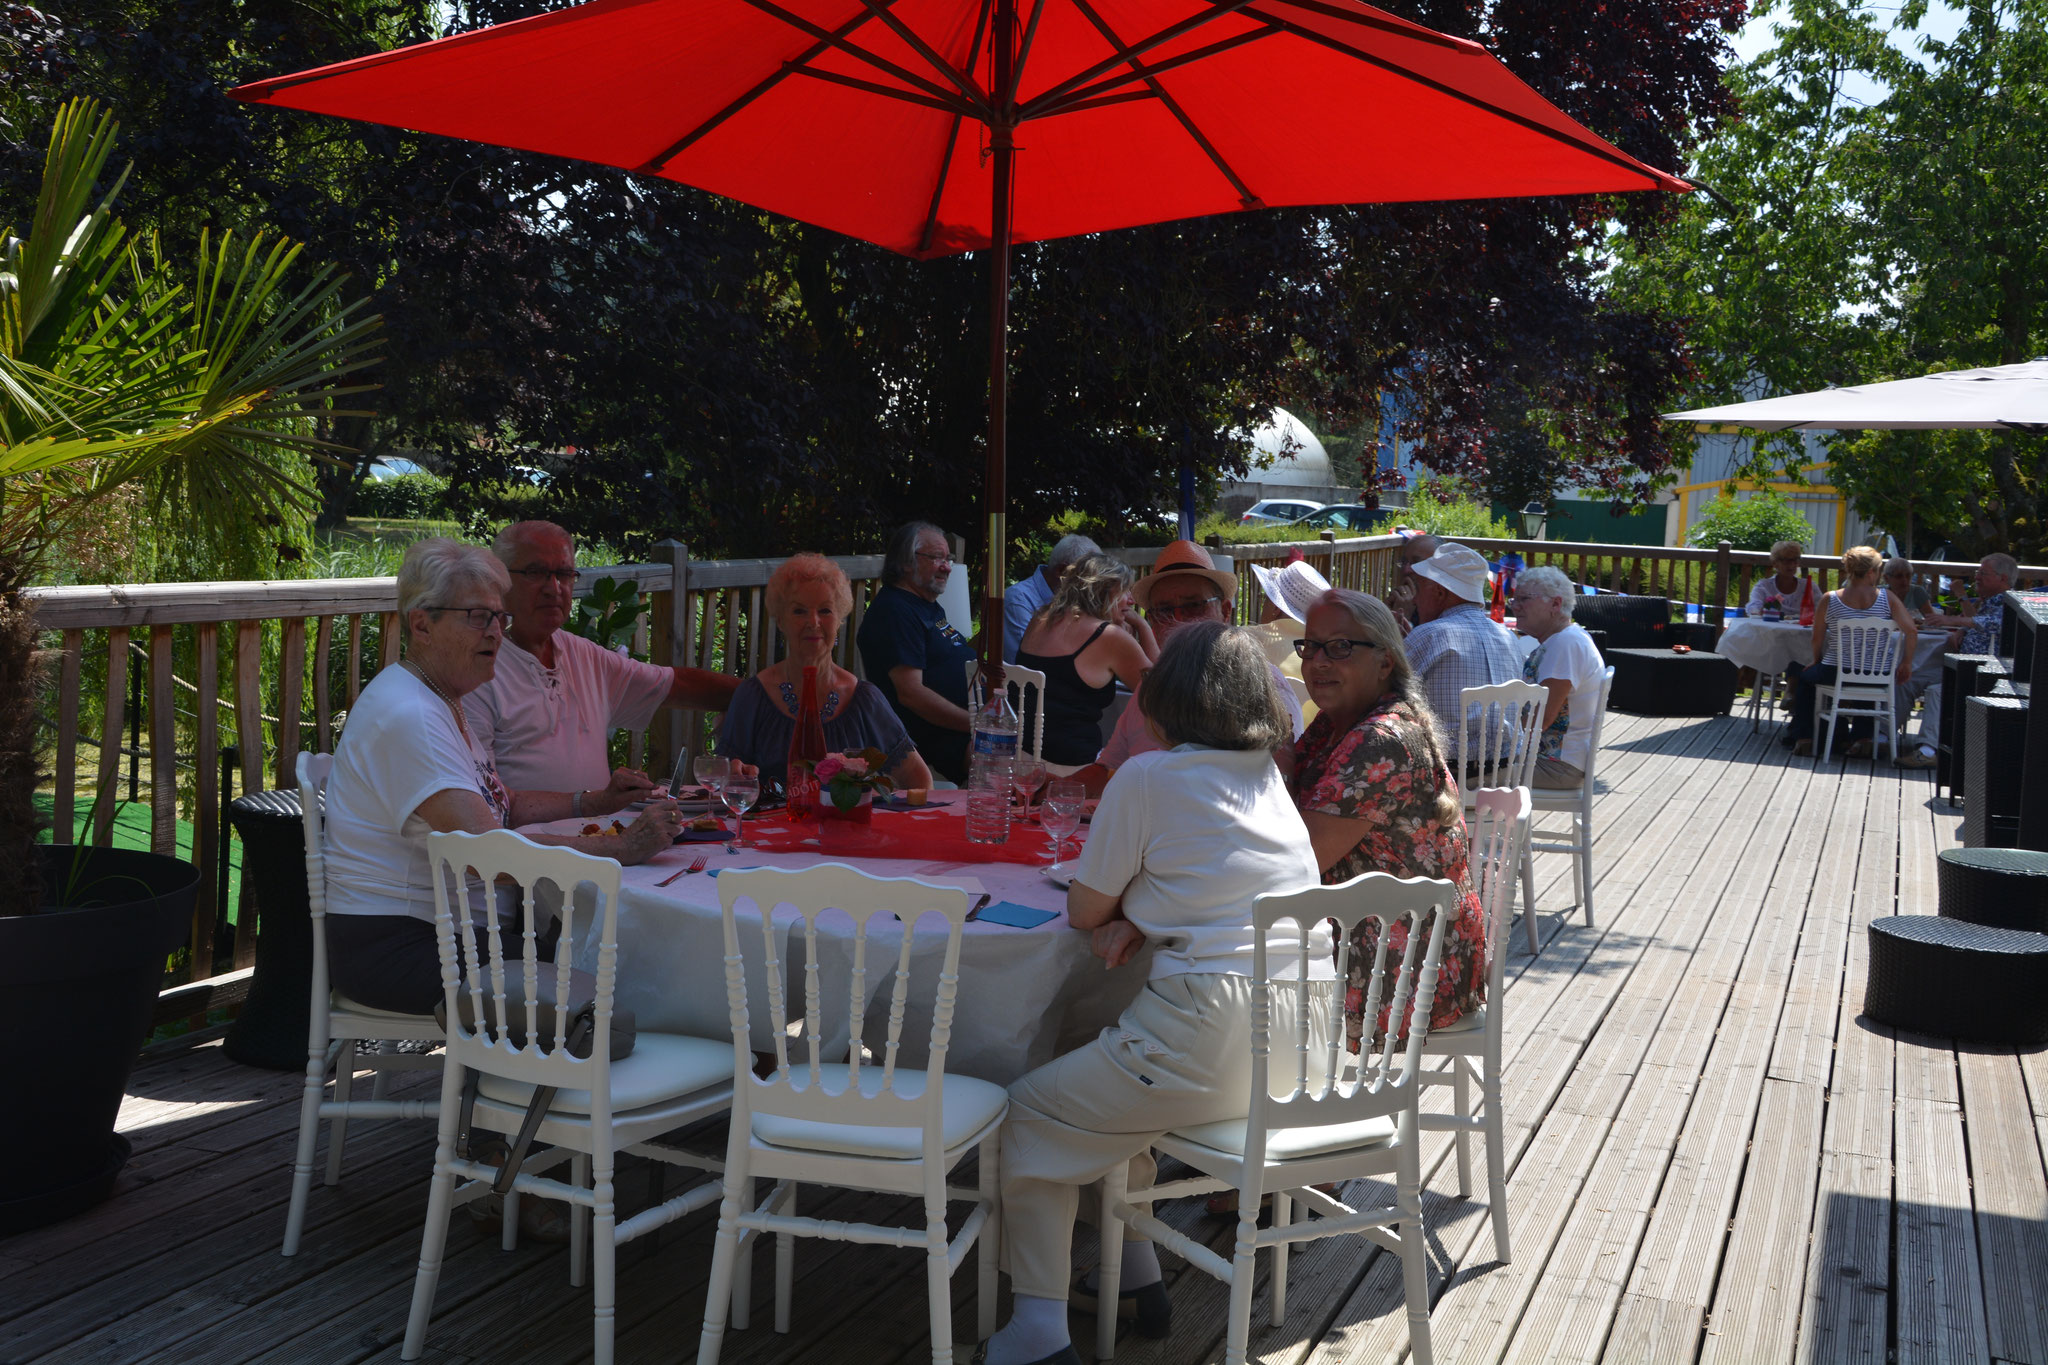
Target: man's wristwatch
(576, 804)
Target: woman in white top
(1784, 587)
(1860, 598)
(408, 766)
(1566, 662)
(1183, 842)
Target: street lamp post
(1534, 520)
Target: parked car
(1347, 517)
(1278, 511)
(391, 466)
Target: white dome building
(1287, 461)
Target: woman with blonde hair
(809, 599)
(1086, 640)
(1860, 598)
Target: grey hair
(1374, 621)
(437, 569)
(1090, 587)
(1071, 550)
(507, 542)
(1897, 564)
(2003, 564)
(1784, 546)
(1547, 581)
(1423, 537)
(900, 556)
(809, 567)
(1212, 686)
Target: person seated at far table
(1860, 598)
(1784, 587)
(549, 712)
(1032, 594)
(1085, 642)
(1973, 632)
(1288, 591)
(1566, 662)
(1185, 839)
(1457, 645)
(1898, 581)
(912, 653)
(809, 597)
(1416, 546)
(1372, 784)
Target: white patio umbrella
(2002, 396)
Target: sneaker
(1149, 1309)
(1918, 758)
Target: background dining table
(1025, 994)
(1771, 647)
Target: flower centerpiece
(849, 783)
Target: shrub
(409, 497)
(1753, 523)
(1444, 509)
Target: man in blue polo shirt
(913, 654)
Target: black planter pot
(77, 989)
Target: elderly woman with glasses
(1374, 790)
(1898, 581)
(408, 765)
(1784, 588)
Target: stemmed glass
(1064, 802)
(739, 793)
(711, 771)
(1027, 775)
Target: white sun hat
(1293, 588)
(1460, 568)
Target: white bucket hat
(1293, 588)
(1458, 568)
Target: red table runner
(935, 835)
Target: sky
(1942, 22)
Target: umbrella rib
(877, 88)
(1023, 52)
(1095, 95)
(931, 216)
(961, 82)
(1596, 149)
(654, 165)
(1398, 27)
(1244, 193)
(1218, 9)
(858, 53)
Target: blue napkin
(748, 868)
(1015, 915)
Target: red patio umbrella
(933, 127)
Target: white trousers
(1179, 1056)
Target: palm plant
(207, 388)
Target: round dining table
(1025, 995)
(1771, 647)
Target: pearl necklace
(461, 721)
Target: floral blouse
(1382, 771)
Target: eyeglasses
(1180, 611)
(566, 577)
(940, 558)
(1338, 649)
(478, 619)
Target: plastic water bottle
(991, 760)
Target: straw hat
(1458, 568)
(1185, 557)
(1293, 588)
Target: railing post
(1721, 566)
(674, 645)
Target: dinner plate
(702, 836)
(1061, 876)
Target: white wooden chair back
(870, 1097)
(1497, 744)
(1599, 724)
(485, 863)
(1866, 655)
(1330, 1084)
(1497, 831)
(1021, 683)
(313, 772)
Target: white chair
(335, 1028)
(1578, 803)
(1016, 680)
(1866, 664)
(1499, 827)
(1498, 743)
(598, 1107)
(1759, 704)
(1338, 1116)
(855, 1124)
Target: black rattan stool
(1656, 682)
(1954, 979)
(2006, 888)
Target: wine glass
(711, 771)
(1064, 802)
(738, 793)
(1027, 775)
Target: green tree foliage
(1443, 508)
(1852, 241)
(1756, 522)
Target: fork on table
(697, 866)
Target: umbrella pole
(1003, 150)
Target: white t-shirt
(1571, 655)
(1190, 837)
(549, 727)
(401, 746)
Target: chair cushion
(969, 1106)
(1465, 1023)
(341, 1004)
(1288, 1144)
(662, 1067)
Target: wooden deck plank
(1939, 1287)
(2011, 1202)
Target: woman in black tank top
(1075, 642)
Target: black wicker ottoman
(2006, 888)
(1954, 979)
(1629, 622)
(1656, 682)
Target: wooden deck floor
(1713, 1158)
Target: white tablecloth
(1771, 647)
(1025, 995)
